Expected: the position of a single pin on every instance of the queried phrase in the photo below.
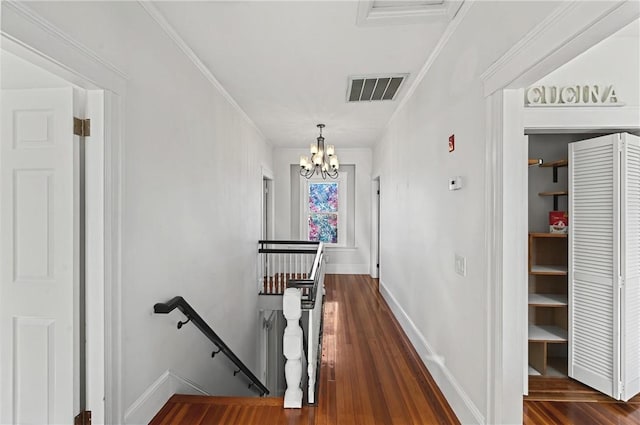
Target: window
(324, 210)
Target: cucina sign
(573, 95)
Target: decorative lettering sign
(574, 95)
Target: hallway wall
(424, 225)
(185, 230)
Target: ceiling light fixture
(324, 161)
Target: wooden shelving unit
(548, 302)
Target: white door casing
(39, 252)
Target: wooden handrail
(186, 309)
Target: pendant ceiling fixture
(324, 160)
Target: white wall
(423, 224)
(349, 259)
(190, 207)
(614, 60)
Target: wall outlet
(461, 265)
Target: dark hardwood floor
(370, 374)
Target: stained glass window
(323, 212)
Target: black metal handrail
(192, 316)
(264, 250)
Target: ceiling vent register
(368, 89)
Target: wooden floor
(565, 401)
(370, 374)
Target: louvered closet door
(630, 303)
(593, 263)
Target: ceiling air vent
(367, 89)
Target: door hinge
(83, 418)
(81, 127)
(378, 192)
(378, 265)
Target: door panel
(593, 263)
(39, 275)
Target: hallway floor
(370, 374)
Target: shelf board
(548, 300)
(549, 270)
(558, 163)
(547, 235)
(540, 333)
(536, 161)
(557, 193)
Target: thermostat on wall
(455, 183)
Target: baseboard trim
(142, 411)
(462, 405)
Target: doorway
(52, 305)
(375, 228)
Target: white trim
(35, 39)
(566, 32)
(94, 259)
(444, 39)
(462, 405)
(156, 396)
(155, 14)
(571, 120)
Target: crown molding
(530, 39)
(26, 12)
(155, 14)
(460, 13)
(569, 29)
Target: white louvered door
(630, 304)
(604, 264)
(593, 268)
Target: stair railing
(303, 296)
(193, 317)
(280, 261)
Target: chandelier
(324, 160)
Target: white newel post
(292, 347)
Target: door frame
(375, 228)
(569, 31)
(31, 37)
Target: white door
(604, 268)
(39, 253)
(630, 266)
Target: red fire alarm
(452, 143)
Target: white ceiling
(287, 63)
